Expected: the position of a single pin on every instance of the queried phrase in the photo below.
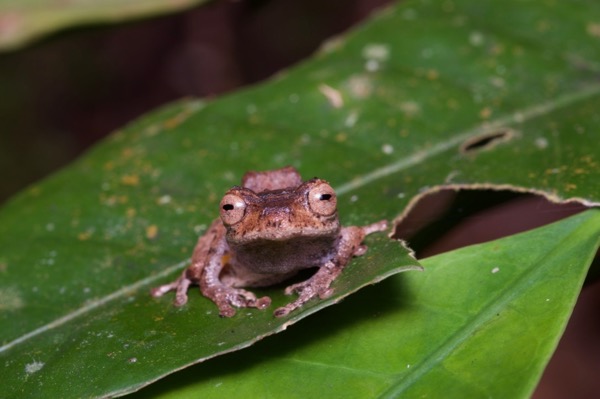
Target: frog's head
(306, 211)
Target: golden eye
(233, 209)
(322, 200)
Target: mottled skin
(270, 228)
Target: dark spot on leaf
(486, 140)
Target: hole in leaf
(450, 219)
(487, 140)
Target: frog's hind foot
(226, 298)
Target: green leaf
(26, 20)
(481, 321)
(126, 339)
(469, 94)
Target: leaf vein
(517, 117)
(93, 305)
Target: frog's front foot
(227, 297)
(180, 285)
(317, 285)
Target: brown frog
(270, 228)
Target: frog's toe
(360, 250)
(282, 311)
(326, 293)
(263, 303)
(246, 299)
(290, 307)
(241, 298)
(226, 310)
(375, 227)
(180, 299)
(299, 288)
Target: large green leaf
(120, 342)
(387, 113)
(480, 322)
(24, 20)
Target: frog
(271, 228)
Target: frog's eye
(233, 208)
(322, 200)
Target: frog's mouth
(285, 256)
(282, 234)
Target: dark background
(62, 94)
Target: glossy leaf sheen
(382, 114)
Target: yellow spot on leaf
(432, 74)
(589, 161)
(35, 191)
(130, 180)
(131, 212)
(485, 113)
(85, 235)
(127, 152)
(570, 187)
(176, 120)
(151, 232)
(152, 130)
(593, 29)
(341, 137)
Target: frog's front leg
(225, 296)
(180, 285)
(350, 245)
(202, 254)
(208, 260)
